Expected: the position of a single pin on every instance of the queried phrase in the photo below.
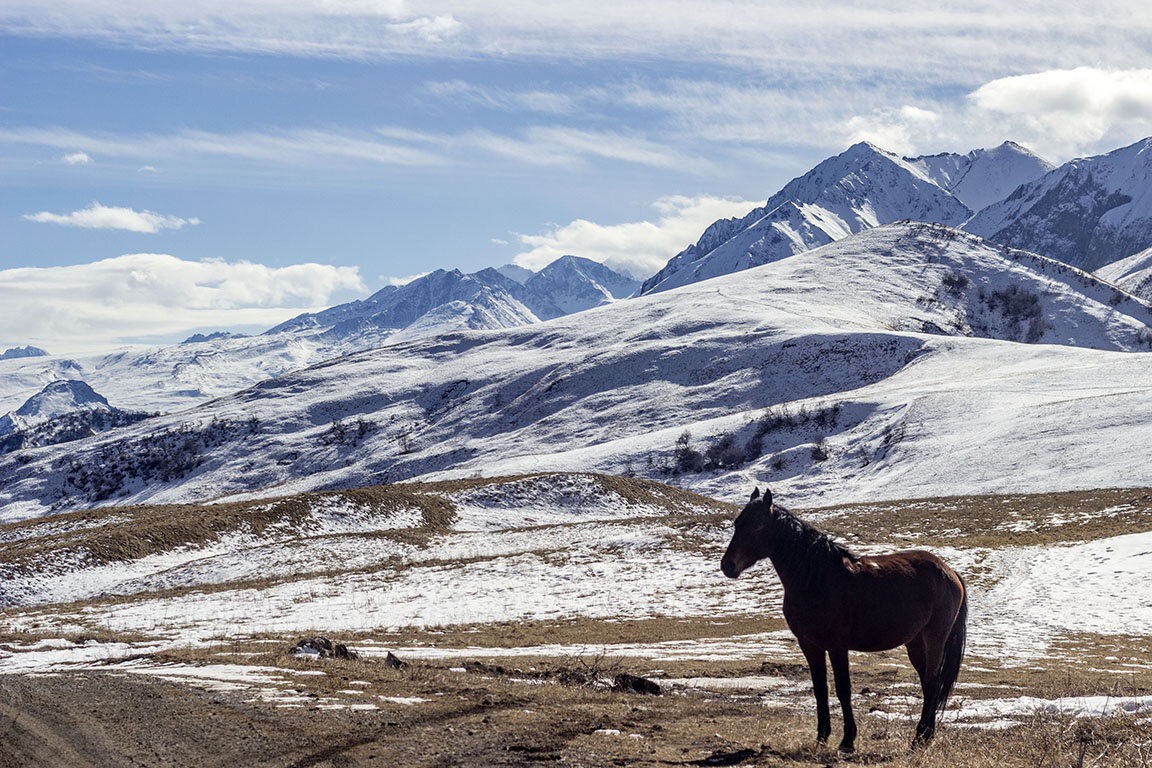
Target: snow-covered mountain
(1133, 274)
(890, 361)
(983, 176)
(18, 352)
(574, 284)
(483, 300)
(860, 188)
(1089, 212)
(56, 399)
(515, 272)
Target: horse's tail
(953, 652)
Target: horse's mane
(805, 550)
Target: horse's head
(750, 539)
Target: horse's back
(891, 598)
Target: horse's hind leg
(925, 656)
(819, 670)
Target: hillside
(1133, 274)
(900, 347)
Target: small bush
(954, 283)
(723, 454)
(687, 458)
(820, 450)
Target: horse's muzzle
(729, 568)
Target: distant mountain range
(178, 376)
(446, 300)
(1089, 214)
(19, 352)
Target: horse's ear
(755, 494)
(768, 496)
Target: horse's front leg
(844, 693)
(819, 670)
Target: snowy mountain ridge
(860, 188)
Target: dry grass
(139, 531)
(992, 521)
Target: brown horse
(836, 601)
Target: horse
(836, 601)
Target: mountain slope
(866, 341)
(1088, 212)
(860, 188)
(1133, 274)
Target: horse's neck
(797, 574)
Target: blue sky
(177, 146)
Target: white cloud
(1074, 108)
(291, 146)
(497, 241)
(558, 145)
(77, 158)
(147, 169)
(97, 216)
(1058, 113)
(638, 247)
(141, 295)
(398, 281)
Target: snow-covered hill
(860, 188)
(1133, 274)
(1088, 212)
(890, 361)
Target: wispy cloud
(637, 247)
(981, 39)
(156, 295)
(97, 216)
(387, 145)
(505, 99)
(77, 158)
